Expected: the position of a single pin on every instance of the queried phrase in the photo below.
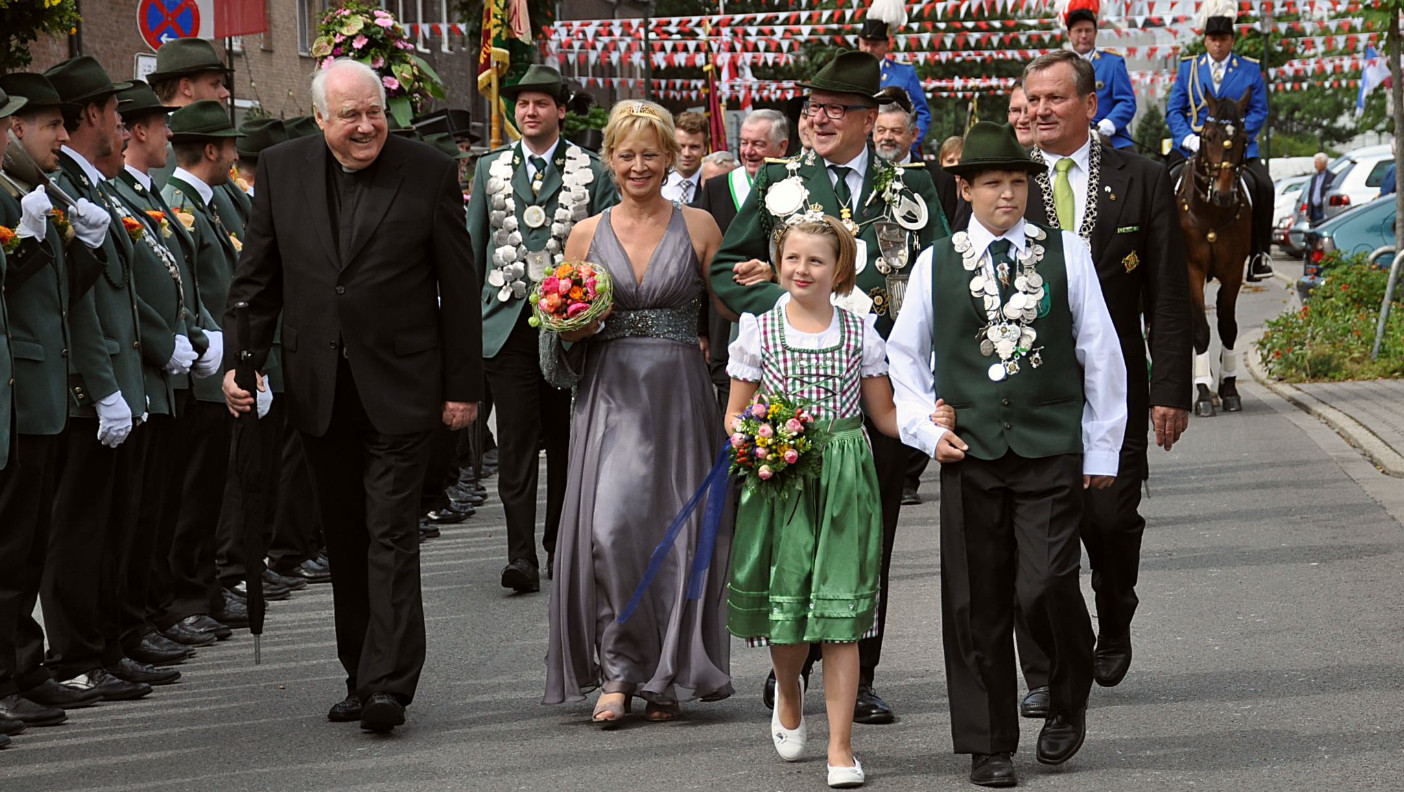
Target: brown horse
(1217, 221)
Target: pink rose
(359, 42)
(765, 473)
(738, 440)
(564, 285)
(765, 430)
(806, 417)
(548, 284)
(794, 426)
(390, 82)
(791, 456)
(576, 309)
(590, 289)
(758, 410)
(386, 21)
(760, 453)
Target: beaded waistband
(673, 324)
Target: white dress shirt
(1098, 350)
(94, 175)
(206, 192)
(527, 154)
(1077, 177)
(858, 170)
(144, 179)
(673, 186)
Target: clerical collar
(206, 192)
(93, 174)
(144, 179)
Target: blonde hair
(845, 249)
(632, 116)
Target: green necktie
(540, 165)
(1063, 195)
(999, 254)
(841, 191)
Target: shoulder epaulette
(1188, 57)
(1250, 60)
(780, 160)
(912, 165)
(1111, 52)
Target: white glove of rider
(114, 420)
(1190, 143)
(209, 362)
(1106, 127)
(34, 220)
(90, 223)
(263, 398)
(183, 356)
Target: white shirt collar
(678, 178)
(981, 237)
(550, 152)
(206, 191)
(144, 179)
(1081, 158)
(93, 174)
(1223, 62)
(859, 164)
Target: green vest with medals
(1035, 411)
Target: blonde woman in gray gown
(644, 433)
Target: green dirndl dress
(806, 569)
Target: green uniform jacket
(499, 316)
(215, 258)
(160, 314)
(36, 302)
(112, 303)
(7, 377)
(748, 236)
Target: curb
(1389, 461)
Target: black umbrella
(251, 466)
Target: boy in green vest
(1024, 349)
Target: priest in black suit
(359, 241)
(1122, 204)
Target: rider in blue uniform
(1222, 74)
(875, 39)
(1116, 101)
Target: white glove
(1190, 143)
(34, 220)
(183, 356)
(1106, 127)
(90, 223)
(263, 398)
(114, 420)
(209, 362)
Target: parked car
(1358, 176)
(1362, 230)
(1289, 230)
(1287, 191)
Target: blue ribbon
(714, 489)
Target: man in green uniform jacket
(846, 178)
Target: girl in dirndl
(805, 569)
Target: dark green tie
(540, 165)
(841, 191)
(999, 254)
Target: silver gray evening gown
(644, 433)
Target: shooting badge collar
(1008, 332)
(513, 266)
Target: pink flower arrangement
(791, 456)
(794, 426)
(359, 42)
(765, 473)
(371, 35)
(766, 431)
(390, 83)
(386, 21)
(771, 443)
(571, 296)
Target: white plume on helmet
(1217, 8)
(893, 12)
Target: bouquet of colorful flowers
(775, 444)
(571, 296)
(371, 35)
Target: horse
(1216, 219)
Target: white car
(1287, 191)
(1358, 176)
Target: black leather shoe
(5, 740)
(111, 688)
(1035, 705)
(768, 693)
(309, 571)
(1061, 736)
(52, 694)
(428, 531)
(521, 576)
(1259, 269)
(148, 651)
(185, 635)
(870, 708)
(452, 514)
(910, 496)
(31, 713)
(271, 592)
(290, 583)
(206, 625)
(1111, 660)
(992, 770)
(382, 713)
(234, 613)
(130, 670)
(11, 726)
(346, 710)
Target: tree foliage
(23, 21)
(1151, 129)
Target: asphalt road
(1267, 658)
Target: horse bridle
(1205, 171)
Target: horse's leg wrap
(1228, 365)
(1202, 373)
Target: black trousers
(1009, 538)
(26, 495)
(1111, 531)
(149, 559)
(297, 523)
(204, 453)
(916, 465)
(95, 513)
(529, 413)
(368, 484)
(442, 471)
(230, 557)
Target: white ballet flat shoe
(789, 743)
(846, 777)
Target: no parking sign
(162, 20)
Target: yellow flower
(186, 219)
(238, 246)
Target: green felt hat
(259, 134)
(207, 120)
(538, 77)
(851, 72)
(139, 100)
(81, 80)
(9, 105)
(35, 89)
(301, 126)
(444, 141)
(183, 57)
(991, 146)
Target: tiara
(814, 214)
(641, 109)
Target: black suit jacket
(403, 302)
(1316, 210)
(715, 198)
(1140, 258)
